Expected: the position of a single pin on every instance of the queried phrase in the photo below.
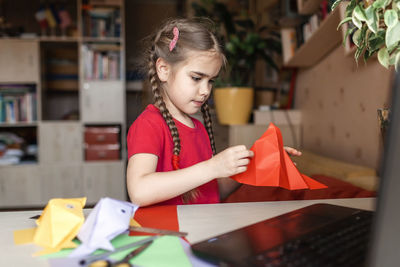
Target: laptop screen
(385, 250)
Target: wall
(339, 103)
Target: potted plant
(375, 28)
(244, 44)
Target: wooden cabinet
(105, 179)
(19, 61)
(73, 89)
(60, 142)
(61, 181)
(20, 186)
(99, 100)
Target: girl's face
(188, 84)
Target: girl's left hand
(291, 151)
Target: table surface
(200, 221)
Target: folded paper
(272, 166)
(58, 224)
(162, 217)
(109, 218)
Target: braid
(208, 124)
(159, 102)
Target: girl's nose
(205, 89)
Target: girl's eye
(196, 79)
(211, 81)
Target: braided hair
(194, 35)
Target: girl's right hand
(231, 161)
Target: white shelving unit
(60, 169)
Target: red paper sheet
(272, 166)
(160, 217)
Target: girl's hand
(231, 161)
(291, 151)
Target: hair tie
(175, 162)
(175, 39)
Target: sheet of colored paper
(161, 217)
(164, 251)
(272, 166)
(24, 236)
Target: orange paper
(272, 166)
(160, 217)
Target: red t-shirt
(149, 133)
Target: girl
(170, 153)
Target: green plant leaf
(375, 41)
(350, 7)
(383, 57)
(356, 22)
(342, 22)
(359, 13)
(392, 36)
(335, 4)
(391, 18)
(358, 53)
(378, 4)
(372, 19)
(356, 38)
(349, 31)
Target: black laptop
(323, 235)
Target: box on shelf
(102, 152)
(102, 143)
(101, 135)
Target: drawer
(102, 152)
(102, 135)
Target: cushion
(336, 189)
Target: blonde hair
(195, 34)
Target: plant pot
(233, 104)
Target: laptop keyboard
(343, 243)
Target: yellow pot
(233, 104)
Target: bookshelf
(73, 78)
(321, 42)
(308, 7)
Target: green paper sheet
(164, 251)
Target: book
(289, 43)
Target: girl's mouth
(198, 103)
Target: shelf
(18, 124)
(320, 43)
(102, 39)
(58, 39)
(308, 7)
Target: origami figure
(272, 166)
(109, 218)
(58, 224)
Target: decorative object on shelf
(375, 28)
(244, 44)
(383, 119)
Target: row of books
(101, 64)
(101, 22)
(17, 107)
(293, 37)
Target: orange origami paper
(272, 166)
(161, 217)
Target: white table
(200, 221)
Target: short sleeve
(145, 136)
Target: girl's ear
(163, 69)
